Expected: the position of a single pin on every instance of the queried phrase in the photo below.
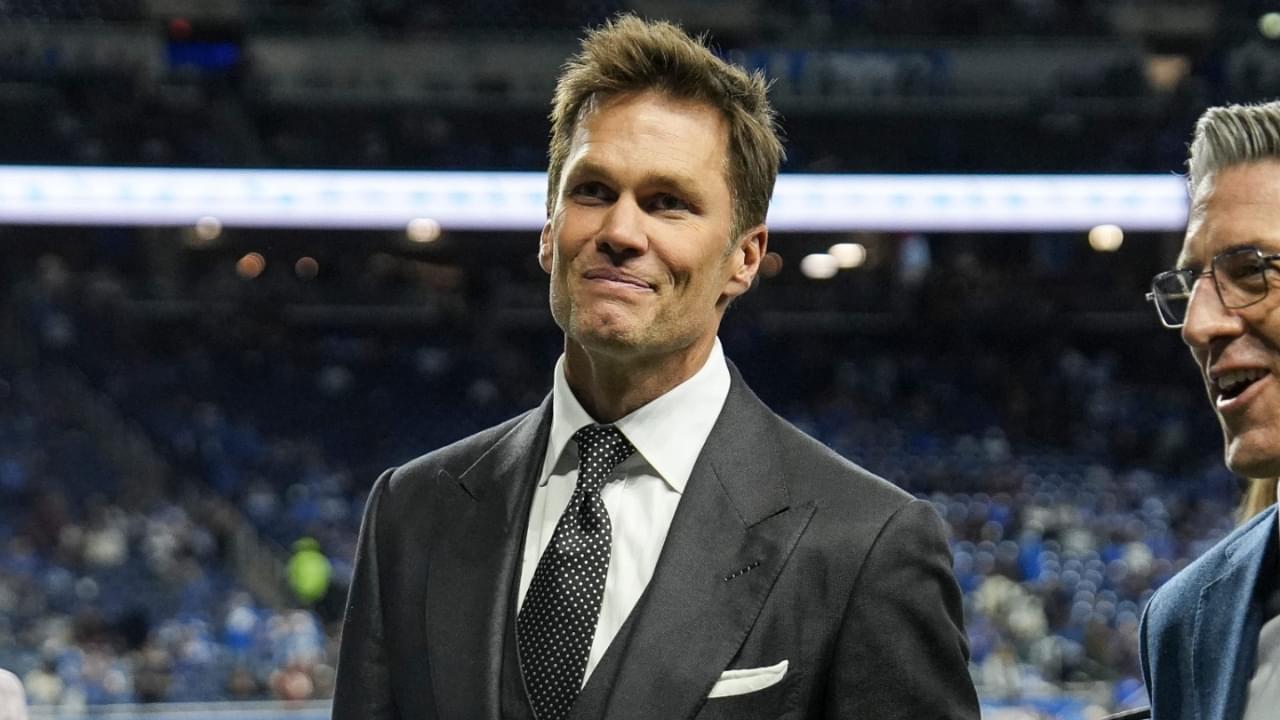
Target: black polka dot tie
(558, 619)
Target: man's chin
(1251, 460)
(609, 339)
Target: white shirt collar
(668, 432)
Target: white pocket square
(747, 680)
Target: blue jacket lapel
(473, 562)
(1228, 620)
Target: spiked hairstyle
(630, 55)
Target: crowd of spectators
(102, 603)
(108, 595)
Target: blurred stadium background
(193, 407)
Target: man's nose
(622, 229)
(1207, 317)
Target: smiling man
(652, 541)
(1211, 635)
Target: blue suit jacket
(1199, 633)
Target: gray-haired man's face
(1238, 350)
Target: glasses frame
(1193, 276)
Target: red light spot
(179, 29)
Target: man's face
(1242, 209)
(638, 243)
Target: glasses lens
(1172, 292)
(1241, 276)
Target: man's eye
(666, 202)
(592, 190)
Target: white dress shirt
(1264, 687)
(641, 495)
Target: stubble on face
(655, 213)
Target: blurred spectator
(154, 673)
(44, 685)
(308, 571)
(13, 701)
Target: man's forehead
(1237, 206)
(1192, 239)
(603, 104)
(591, 149)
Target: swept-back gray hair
(1229, 135)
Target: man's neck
(609, 387)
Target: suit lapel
(473, 560)
(1227, 625)
(732, 533)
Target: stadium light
(819, 266)
(848, 255)
(1269, 25)
(389, 200)
(423, 230)
(208, 228)
(306, 268)
(1106, 238)
(251, 265)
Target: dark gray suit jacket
(779, 550)
(1199, 632)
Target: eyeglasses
(1239, 276)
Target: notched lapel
(1226, 619)
(473, 558)
(700, 606)
(692, 620)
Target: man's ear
(545, 249)
(745, 257)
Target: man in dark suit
(652, 541)
(1210, 637)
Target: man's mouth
(614, 276)
(1232, 383)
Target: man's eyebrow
(586, 168)
(1253, 244)
(682, 184)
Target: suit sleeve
(363, 686)
(901, 652)
(1149, 649)
(1144, 650)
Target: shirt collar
(668, 432)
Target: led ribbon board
(383, 199)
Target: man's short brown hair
(629, 55)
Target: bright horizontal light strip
(382, 199)
(270, 198)
(1030, 203)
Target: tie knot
(600, 449)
